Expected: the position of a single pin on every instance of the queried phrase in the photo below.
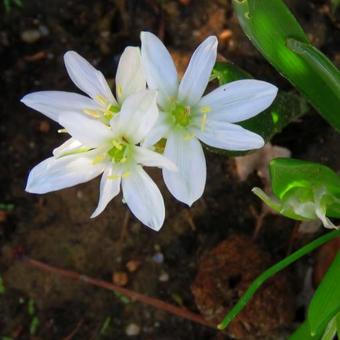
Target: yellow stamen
(113, 177)
(203, 122)
(119, 90)
(98, 159)
(91, 113)
(117, 144)
(205, 109)
(126, 174)
(189, 136)
(100, 99)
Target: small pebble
(105, 34)
(30, 36)
(3, 216)
(132, 265)
(120, 278)
(132, 330)
(44, 30)
(225, 35)
(44, 126)
(80, 194)
(158, 258)
(164, 277)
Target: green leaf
(287, 107)
(7, 206)
(303, 333)
(274, 31)
(335, 4)
(226, 72)
(122, 298)
(8, 4)
(267, 274)
(330, 330)
(105, 326)
(326, 300)
(287, 174)
(2, 286)
(34, 325)
(30, 307)
(338, 325)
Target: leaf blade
(275, 32)
(326, 300)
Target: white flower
(302, 204)
(112, 150)
(100, 104)
(186, 117)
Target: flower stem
(259, 281)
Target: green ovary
(180, 115)
(111, 111)
(120, 152)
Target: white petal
(196, 77)
(321, 208)
(138, 115)
(229, 136)
(187, 184)
(69, 145)
(239, 100)
(150, 158)
(130, 75)
(159, 68)
(90, 132)
(86, 77)
(52, 103)
(144, 198)
(109, 188)
(160, 130)
(54, 174)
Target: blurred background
(204, 257)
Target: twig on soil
(159, 304)
(259, 218)
(190, 219)
(75, 331)
(123, 232)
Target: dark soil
(55, 228)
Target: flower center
(110, 111)
(180, 114)
(106, 111)
(120, 152)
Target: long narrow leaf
(326, 300)
(303, 333)
(274, 31)
(262, 278)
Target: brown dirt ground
(56, 228)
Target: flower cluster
(117, 136)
